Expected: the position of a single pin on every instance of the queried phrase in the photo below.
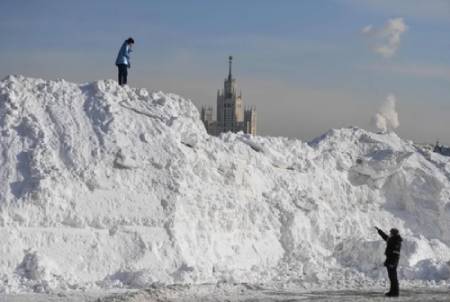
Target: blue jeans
(123, 74)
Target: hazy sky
(307, 65)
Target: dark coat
(394, 244)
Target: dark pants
(392, 273)
(123, 74)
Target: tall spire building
(230, 112)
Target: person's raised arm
(382, 234)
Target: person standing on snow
(123, 60)
(394, 244)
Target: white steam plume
(386, 39)
(386, 118)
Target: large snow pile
(105, 186)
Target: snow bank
(109, 186)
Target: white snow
(103, 186)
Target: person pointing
(392, 252)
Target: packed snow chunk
(431, 270)
(38, 271)
(112, 187)
(381, 163)
(130, 279)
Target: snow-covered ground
(104, 188)
(242, 293)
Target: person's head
(394, 232)
(130, 41)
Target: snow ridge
(109, 186)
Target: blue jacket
(123, 57)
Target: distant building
(444, 150)
(231, 115)
(206, 115)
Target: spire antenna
(230, 61)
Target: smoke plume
(386, 119)
(386, 40)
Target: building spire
(230, 61)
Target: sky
(306, 65)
